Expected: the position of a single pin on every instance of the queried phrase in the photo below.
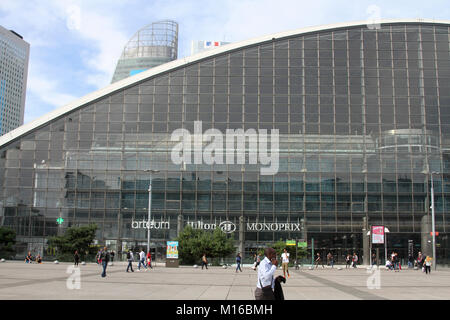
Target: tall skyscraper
(203, 45)
(154, 44)
(14, 55)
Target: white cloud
(101, 32)
(48, 92)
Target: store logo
(227, 226)
(273, 227)
(235, 147)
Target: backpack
(128, 255)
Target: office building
(14, 55)
(363, 116)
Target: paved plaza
(22, 281)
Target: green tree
(192, 243)
(222, 246)
(7, 240)
(75, 238)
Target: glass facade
(151, 46)
(363, 116)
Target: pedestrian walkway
(49, 281)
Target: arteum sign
(152, 225)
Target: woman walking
(348, 260)
(76, 257)
(428, 263)
(204, 261)
(149, 259)
(319, 260)
(355, 259)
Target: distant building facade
(14, 56)
(203, 45)
(151, 46)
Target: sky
(75, 44)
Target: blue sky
(75, 44)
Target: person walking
(149, 260)
(319, 260)
(428, 263)
(285, 263)
(330, 259)
(142, 260)
(76, 257)
(238, 262)
(112, 255)
(355, 259)
(395, 261)
(374, 259)
(130, 260)
(348, 261)
(265, 283)
(204, 261)
(419, 260)
(422, 263)
(105, 256)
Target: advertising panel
(172, 249)
(377, 234)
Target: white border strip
(6, 138)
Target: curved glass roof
(119, 85)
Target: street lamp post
(433, 226)
(386, 230)
(149, 207)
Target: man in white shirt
(266, 270)
(142, 260)
(285, 262)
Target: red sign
(377, 234)
(437, 233)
